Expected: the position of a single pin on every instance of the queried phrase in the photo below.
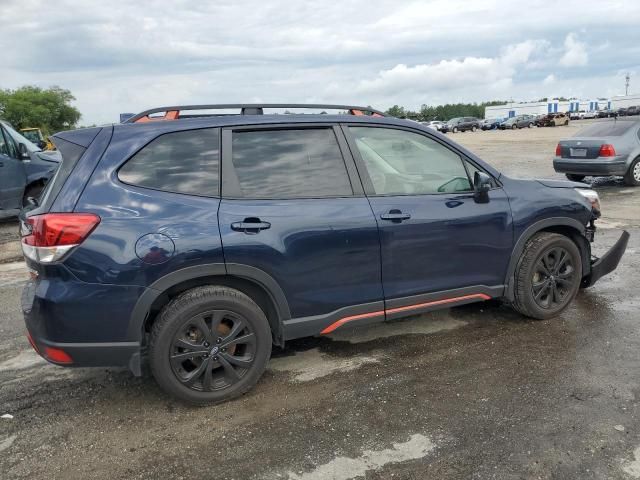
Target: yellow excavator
(34, 135)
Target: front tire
(209, 345)
(514, 126)
(474, 128)
(455, 130)
(548, 276)
(632, 177)
(575, 178)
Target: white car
(435, 124)
(589, 114)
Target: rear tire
(209, 345)
(474, 128)
(575, 178)
(514, 126)
(548, 276)
(455, 130)
(531, 125)
(632, 177)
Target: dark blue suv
(204, 239)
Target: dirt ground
(475, 392)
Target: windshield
(31, 147)
(31, 135)
(606, 129)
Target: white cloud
(575, 52)
(549, 79)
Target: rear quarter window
(180, 162)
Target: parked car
(24, 170)
(205, 241)
(607, 113)
(576, 115)
(519, 121)
(635, 110)
(435, 124)
(602, 149)
(621, 112)
(491, 123)
(461, 124)
(553, 120)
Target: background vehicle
(318, 222)
(602, 149)
(491, 123)
(519, 121)
(35, 136)
(461, 124)
(635, 110)
(24, 170)
(435, 124)
(553, 120)
(588, 115)
(606, 113)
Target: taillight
(607, 150)
(46, 238)
(558, 150)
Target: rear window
(289, 164)
(70, 153)
(179, 162)
(606, 129)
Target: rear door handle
(395, 216)
(250, 226)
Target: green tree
(396, 111)
(48, 109)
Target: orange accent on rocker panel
(342, 321)
(480, 296)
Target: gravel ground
(470, 392)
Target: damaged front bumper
(608, 262)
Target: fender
(157, 288)
(527, 234)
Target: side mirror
(23, 153)
(42, 145)
(482, 183)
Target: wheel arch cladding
(566, 226)
(258, 285)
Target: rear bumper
(88, 322)
(608, 262)
(590, 167)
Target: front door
(438, 239)
(293, 208)
(12, 174)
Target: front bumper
(589, 167)
(608, 262)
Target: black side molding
(608, 262)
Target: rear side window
(289, 164)
(180, 162)
(605, 129)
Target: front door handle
(250, 225)
(395, 216)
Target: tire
(186, 325)
(575, 178)
(514, 126)
(530, 125)
(32, 191)
(534, 289)
(455, 130)
(474, 128)
(632, 177)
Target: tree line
(49, 109)
(443, 112)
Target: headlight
(593, 198)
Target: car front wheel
(209, 344)
(514, 126)
(548, 275)
(455, 130)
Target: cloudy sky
(123, 56)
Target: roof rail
(175, 112)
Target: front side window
(289, 164)
(180, 162)
(4, 148)
(406, 163)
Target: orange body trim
(444, 301)
(170, 115)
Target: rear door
(12, 173)
(293, 208)
(437, 238)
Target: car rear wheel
(548, 275)
(575, 178)
(474, 128)
(209, 345)
(455, 130)
(514, 126)
(633, 174)
(530, 125)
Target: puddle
(421, 325)
(345, 468)
(312, 364)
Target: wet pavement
(470, 392)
